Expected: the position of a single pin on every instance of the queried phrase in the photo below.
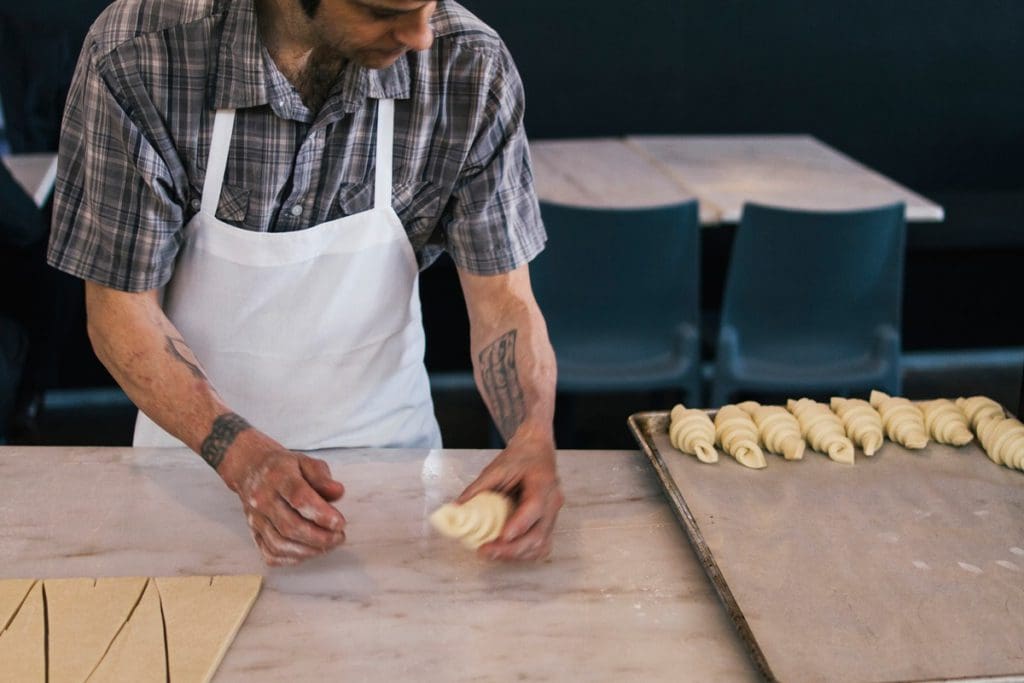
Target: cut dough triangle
(85, 616)
(23, 642)
(12, 593)
(138, 654)
(202, 615)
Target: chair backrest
(814, 285)
(611, 274)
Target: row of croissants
(745, 430)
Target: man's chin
(378, 59)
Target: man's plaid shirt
(139, 117)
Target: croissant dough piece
(945, 422)
(477, 521)
(822, 429)
(902, 420)
(1003, 441)
(737, 434)
(778, 429)
(693, 432)
(862, 423)
(978, 409)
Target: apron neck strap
(385, 141)
(223, 122)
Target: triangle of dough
(138, 654)
(84, 617)
(12, 594)
(23, 642)
(202, 615)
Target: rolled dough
(23, 642)
(137, 654)
(84, 616)
(202, 615)
(12, 594)
(477, 521)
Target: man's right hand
(286, 498)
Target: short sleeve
(117, 217)
(492, 221)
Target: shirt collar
(240, 79)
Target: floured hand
(286, 497)
(525, 472)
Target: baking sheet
(906, 566)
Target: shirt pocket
(233, 206)
(353, 198)
(418, 205)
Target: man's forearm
(147, 356)
(516, 377)
(514, 364)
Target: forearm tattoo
(225, 428)
(172, 348)
(500, 380)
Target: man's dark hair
(310, 7)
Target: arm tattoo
(225, 428)
(172, 348)
(500, 380)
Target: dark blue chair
(619, 292)
(812, 303)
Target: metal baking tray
(907, 566)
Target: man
(282, 171)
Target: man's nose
(414, 31)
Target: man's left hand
(525, 472)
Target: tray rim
(640, 426)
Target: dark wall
(930, 92)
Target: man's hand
(286, 498)
(524, 471)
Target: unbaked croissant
(477, 521)
(822, 429)
(778, 429)
(693, 432)
(979, 408)
(902, 420)
(945, 422)
(862, 423)
(1003, 441)
(737, 434)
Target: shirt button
(296, 210)
(196, 204)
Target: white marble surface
(785, 170)
(605, 173)
(35, 173)
(622, 597)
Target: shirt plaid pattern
(139, 117)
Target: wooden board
(903, 567)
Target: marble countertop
(621, 598)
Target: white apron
(315, 336)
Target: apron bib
(315, 336)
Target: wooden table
(35, 173)
(622, 597)
(722, 172)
